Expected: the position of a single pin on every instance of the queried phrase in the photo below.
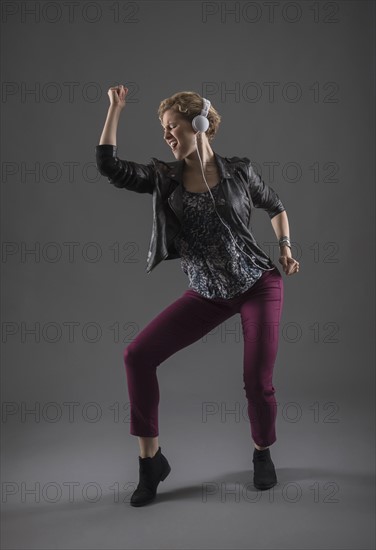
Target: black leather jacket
(241, 189)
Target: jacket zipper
(176, 234)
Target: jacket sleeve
(263, 196)
(124, 173)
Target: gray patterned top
(215, 267)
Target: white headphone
(200, 123)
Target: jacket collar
(176, 168)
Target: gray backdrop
(294, 84)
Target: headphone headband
(206, 107)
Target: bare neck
(192, 163)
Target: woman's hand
(288, 263)
(117, 96)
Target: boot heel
(166, 472)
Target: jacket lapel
(175, 172)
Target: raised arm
(121, 173)
(108, 136)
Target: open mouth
(173, 144)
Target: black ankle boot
(152, 470)
(264, 476)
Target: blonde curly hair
(189, 105)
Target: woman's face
(178, 134)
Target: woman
(228, 272)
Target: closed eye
(170, 127)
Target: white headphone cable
(236, 244)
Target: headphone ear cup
(200, 123)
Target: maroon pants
(188, 319)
